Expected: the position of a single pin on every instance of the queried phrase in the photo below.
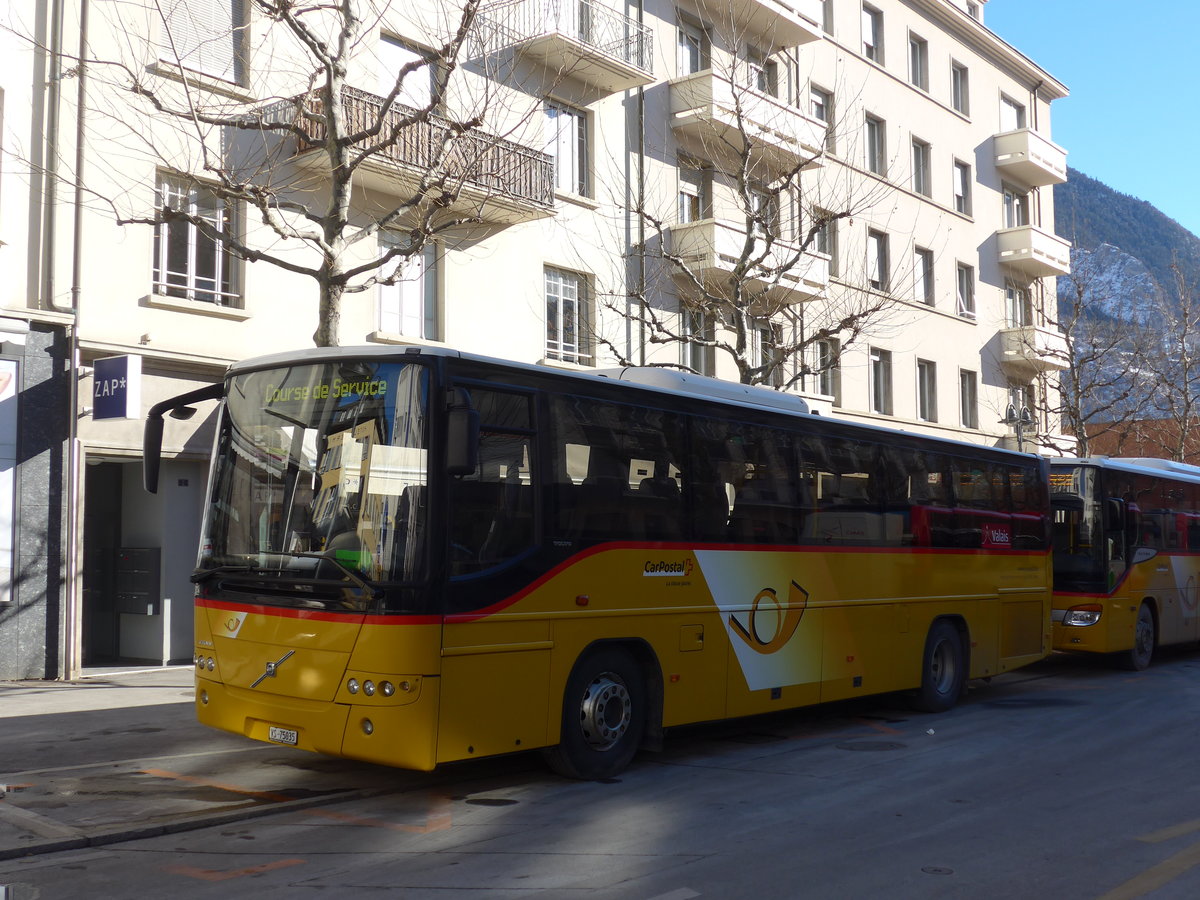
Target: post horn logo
(780, 619)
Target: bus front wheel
(1138, 657)
(943, 669)
(604, 716)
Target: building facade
(686, 183)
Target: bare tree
(746, 247)
(293, 143)
(1174, 369)
(1104, 385)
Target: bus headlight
(1088, 614)
(352, 685)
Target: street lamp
(1018, 420)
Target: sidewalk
(98, 689)
(119, 755)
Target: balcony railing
(1030, 349)
(711, 249)
(490, 169)
(705, 107)
(1027, 156)
(582, 39)
(1034, 252)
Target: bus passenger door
(496, 655)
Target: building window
(697, 356)
(966, 291)
(960, 88)
(416, 90)
(567, 317)
(922, 182)
(1018, 308)
(1012, 114)
(918, 62)
(876, 145)
(872, 34)
(827, 363)
(973, 9)
(820, 107)
(968, 399)
(926, 390)
(826, 16)
(692, 47)
(764, 220)
(409, 307)
(566, 142)
(923, 275)
(825, 238)
(762, 72)
(695, 191)
(881, 381)
(189, 264)
(766, 338)
(962, 187)
(878, 267)
(1016, 207)
(205, 37)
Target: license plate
(283, 735)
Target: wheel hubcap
(942, 667)
(605, 712)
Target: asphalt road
(1068, 779)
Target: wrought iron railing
(600, 27)
(486, 161)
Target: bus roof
(654, 379)
(1140, 465)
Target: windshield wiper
(372, 590)
(205, 574)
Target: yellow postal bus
(1126, 555)
(419, 556)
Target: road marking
(437, 820)
(232, 788)
(214, 875)
(108, 765)
(1156, 876)
(1174, 831)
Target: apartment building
(697, 183)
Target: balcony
(496, 180)
(580, 39)
(1030, 158)
(778, 23)
(1029, 350)
(711, 250)
(704, 112)
(1034, 252)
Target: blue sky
(1133, 70)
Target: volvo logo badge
(272, 668)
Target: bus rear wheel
(943, 669)
(1138, 657)
(604, 716)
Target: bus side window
(491, 510)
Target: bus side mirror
(179, 408)
(462, 440)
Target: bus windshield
(320, 474)
(1080, 554)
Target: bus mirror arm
(462, 440)
(179, 408)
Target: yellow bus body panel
(726, 632)
(1168, 582)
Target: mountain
(1091, 214)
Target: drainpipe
(641, 200)
(74, 587)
